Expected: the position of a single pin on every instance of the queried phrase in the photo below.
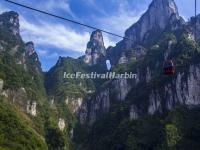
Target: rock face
(74, 103)
(32, 55)
(31, 108)
(61, 124)
(30, 50)
(133, 113)
(96, 51)
(1, 84)
(159, 14)
(162, 15)
(10, 20)
(183, 90)
(101, 101)
(192, 28)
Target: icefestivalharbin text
(95, 75)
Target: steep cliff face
(17, 65)
(100, 103)
(96, 51)
(159, 15)
(192, 27)
(23, 97)
(32, 58)
(141, 93)
(183, 89)
(1, 84)
(10, 20)
(71, 91)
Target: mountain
(50, 110)
(191, 29)
(96, 51)
(140, 113)
(75, 91)
(28, 119)
(148, 28)
(10, 21)
(136, 51)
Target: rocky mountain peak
(97, 36)
(62, 60)
(30, 50)
(10, 20)
(32, 55)
(191, 25)
(95, 51)
(152, 23)
(156, 17)
(168, 6)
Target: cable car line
(195, 36)
(66, 19)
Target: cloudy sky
(54, 38)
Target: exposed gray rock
(1, 84)
(10, 20)
(191, 31)
(133, 113)
(31, 108)
(100, 103)
(61, 124)
(183, 90)
(83, 113)
(148, 75)
(159, 15)
(33, 56)
(4, 94)
(74, 103)
(3, 44)
(95, 52)
(193, 83)
(119, 89)
(30, 50)
(123, 59)
(71, 133)
(154, 102)
(52, 101)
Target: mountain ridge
(151, 112)
(154, 20)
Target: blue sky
(54, 38)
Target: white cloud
(108, 41)
(46, 54)
(54, 5)
(118, 22)
(52, 56)
(66, 38)
(56, 35)
(121, 20)
(42, 52)
(93, 4)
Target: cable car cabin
(169, 68)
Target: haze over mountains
(46, 111)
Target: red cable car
(169, 68)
